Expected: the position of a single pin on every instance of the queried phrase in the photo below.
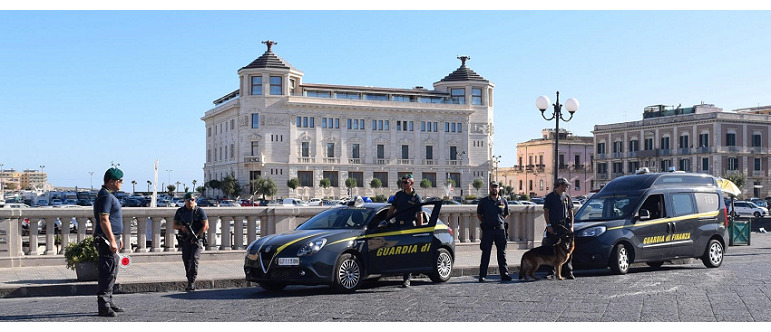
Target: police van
(652, 218)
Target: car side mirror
(644, 214)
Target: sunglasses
(119, 181)
(190, 199)
(405, 182)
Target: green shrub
(380, 198)
(83, 251)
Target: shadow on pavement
(46, 316)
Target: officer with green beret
(191, 223)
(107, 233)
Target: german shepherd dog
(555, 255)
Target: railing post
(170, 241)
(214, 222)
(464, 227)
(142, 234)
(33, 234)
(82, 222)
(476, 232)
(19, 246)
(251, 229)
(65, 234)
(126, 235)
(155, 246)
(50, 233)
(225, 233)
(238, 237)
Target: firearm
(191, 234)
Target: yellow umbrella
(728, 187)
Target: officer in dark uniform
(492, 212)
(107, 231)
(192, 244)
(404, 200)
(558, 213)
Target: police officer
(192, 244)
(491, 212)
(107, 238)
(406, 200)
(558, 213)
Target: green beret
(188, 195)
(113, 173)
(493, 184)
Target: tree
(171, 189)
(230, 186)
(264, 186)
(200, 190)
(425, 183)
(451, 182)
(350, 183)
(133, 186)
(325, 183)
(10, 186)
(478, 184)
(194, 182)
(376, 184)
(293, 183)
(215, 184)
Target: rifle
(190, 232)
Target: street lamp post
(42, 184)
(571, 105)
(496, 160)
(169, 171)
(92, 180)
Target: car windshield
(346, 218)
(607, 208)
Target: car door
(649, 235)
(686, 221)
(397, 249)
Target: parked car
(294, 202)
(314, 202)
(15, 206)
(229, 203)
(341, 247)
(84, 202)
(56, 202)
(537, 200)
(744, 208)
(133, 202)
(41, 226)
(204, 202)
(163, 203)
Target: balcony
(665, 152)
(705, 150)
(602, 176)
(540, 168)
(683, 151)
(758, 150)
(330, 160)
(306, 160)
(601, 156)
(618, 155)
(355, 161)
(382, 161)
(429, 162)
(758, 174)
(632, 154)
(454, 163)
(646, 153)
(731, 149)
(404, 161)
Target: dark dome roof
(463, 73)
(269, 60)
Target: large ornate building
(276, 125)
(699, 139)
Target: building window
(756, 141)
(705, 164)
(383, 177)
(576, 161)
(600, 148)
(634, 145)
(446, 127)
(333, 178)
(292, 86)
(453, 152)
(618, 147)
(275, 85)
(306, 178)
(530, 185)
(733, 163)
(458, 127)
(429, 152)
(355, 151)
(430, 177)
(455, 177)
(376, 97)
(666, 164)
(255, 148)
(685, 165)
(730, 139)
(704, 140)
(757, 164)
(330, 150)
(347, 95)
(208, 132)
(380, 151)
(540, 184)
(457, 96)
(577, 185)
(306, 149)
(684, 144)
(359, 177)
(256, 85)
(405, 152)
(255, 120)
(664, 143)
(318, 94)
(476, 97)
(648, 144)
(520, 185)
(399, 98)
(432, 100)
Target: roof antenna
(270, 43)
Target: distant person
(492, 212)
(191, 223)
(107, 233)
(558, 213)
(406, 200)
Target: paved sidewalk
(216, 270)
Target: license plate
(289, 261)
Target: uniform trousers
(191, 253)
(107, 265)
(490, 236)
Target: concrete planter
(87, 271)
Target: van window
(683, 204)
(706, 202)
(606, 208)
(655, 205)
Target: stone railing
(145, 228)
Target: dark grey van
(652, 218)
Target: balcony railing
(306, 160)
(665, 152)
(230, 229)
(429, 162)
(382, 161)
(330, 160)
(355, 161)
(602, 176)
(758, 173)
(404, 161)
(454, 163)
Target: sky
(81, 90)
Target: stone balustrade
(145, 228)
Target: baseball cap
(408, 176)
(493, 184)
(562, 181)
(113, 173)
(189, 195)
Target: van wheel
(655, 265)
(442, 266)
(757, 214)
(347, 274)
(713, 255)
(619, 259)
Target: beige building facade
(534, 172)
(699, 139)
(276, 125)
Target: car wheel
(619, 259)
(713, 255)
(655, 265)
(272, 286)
(347, 274)
(757, 214)
(442, 266)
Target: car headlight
(591, 231)
(312, 247)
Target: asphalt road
(737, 291)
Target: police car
(343, 246)
(652, 218)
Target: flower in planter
(83, 251)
